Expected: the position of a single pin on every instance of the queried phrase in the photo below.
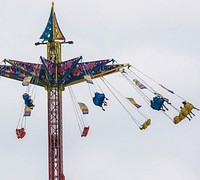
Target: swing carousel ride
(55, 75)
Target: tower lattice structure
(54, 75)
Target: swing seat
(20, 133)
(28, 101)
(157, 103)
(145, 124)
(85, 131)
(98, 99)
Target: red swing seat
(85, 131)
(20, 133)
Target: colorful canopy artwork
(68, 72)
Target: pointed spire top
(52, 31)
(53, 4)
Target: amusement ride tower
(54, 75)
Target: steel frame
(55, 139)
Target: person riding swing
(158, 103)
(100, 100)
(28, 101)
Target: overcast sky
(160, 38)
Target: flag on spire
(52, 30)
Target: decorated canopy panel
(50, 74)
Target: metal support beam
(55, 139)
